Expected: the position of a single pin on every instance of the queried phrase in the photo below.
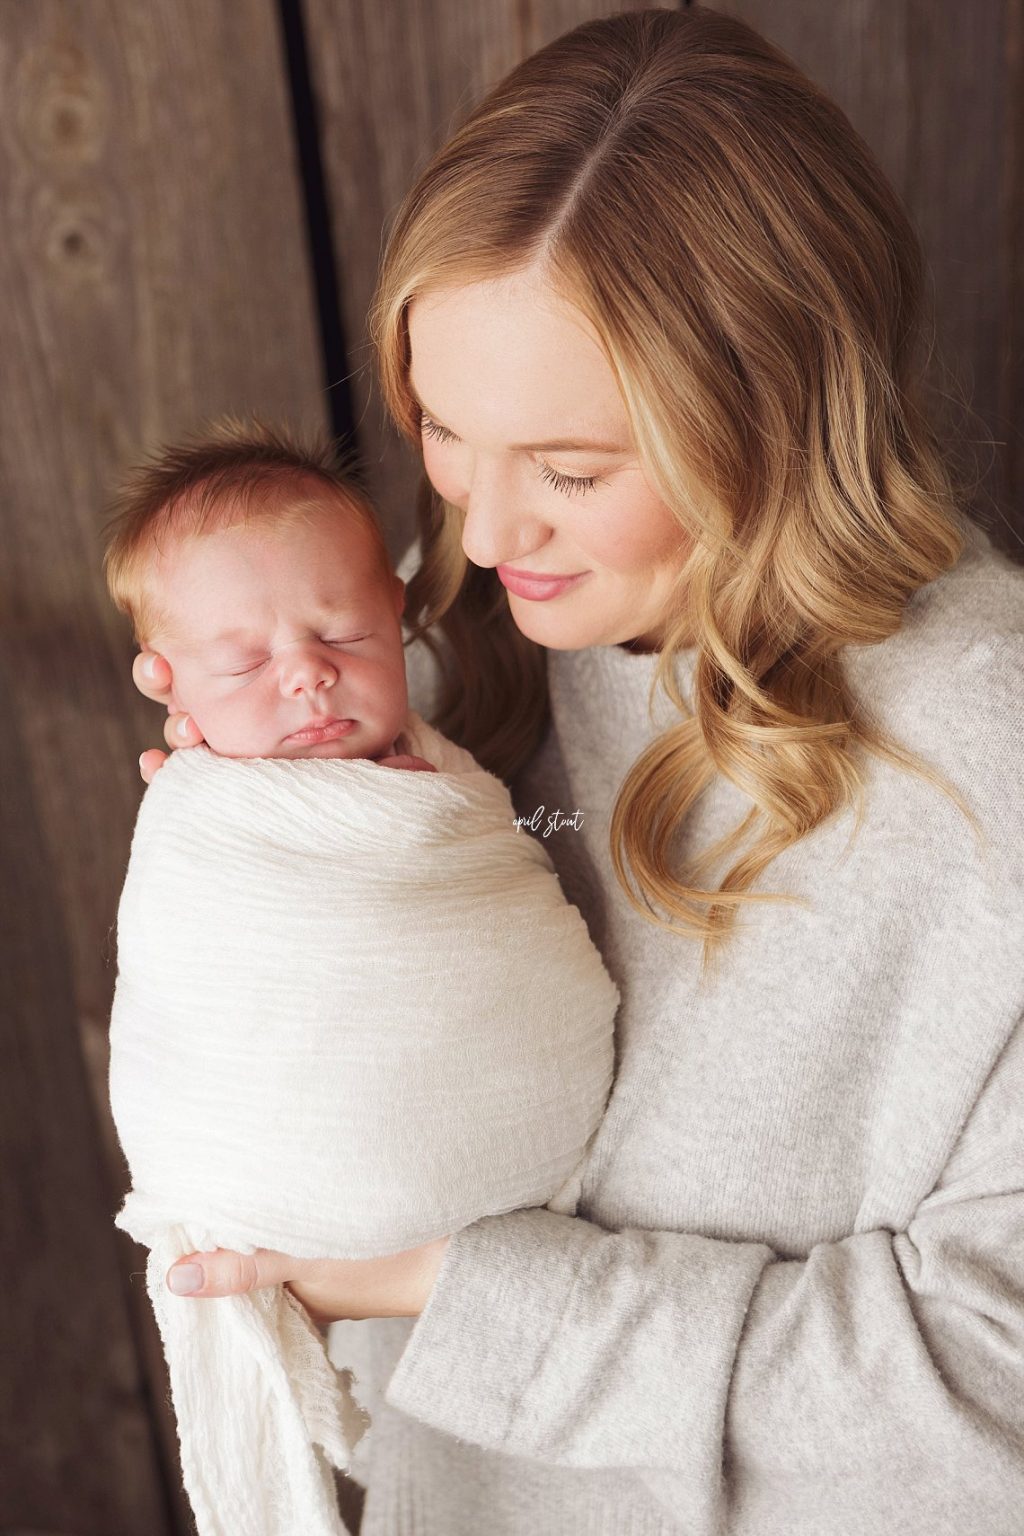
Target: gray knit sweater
(792, 1301)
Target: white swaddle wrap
(354, 1012)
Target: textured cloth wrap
(354, 1012)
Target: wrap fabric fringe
(256, 1365)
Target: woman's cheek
(443, 474)
(632, 531)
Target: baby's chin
(337, 749)
(360, 742)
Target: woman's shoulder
(949, 684)
(965, 626)
(981, 598)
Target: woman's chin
(558, 632)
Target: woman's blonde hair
(758, 291)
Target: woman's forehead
(485, 353)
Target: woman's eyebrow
(562, 444)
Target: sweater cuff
(479, 1341)
(549, 1337)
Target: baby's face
(284, 642)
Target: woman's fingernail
(149, 668)
(181, 730)
(184, 1279)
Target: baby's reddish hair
(233, 470)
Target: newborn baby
(354, 1011)
(283, 633)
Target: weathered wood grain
(1011, 234)
(78, 1441)
(153, 272)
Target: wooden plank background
(153, 270)
(163, 261)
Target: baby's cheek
(187, 690)
(233, 722)
(386, 689)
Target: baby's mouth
(328, 729)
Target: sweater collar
(608, 688)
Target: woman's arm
(877, 1382)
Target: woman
(793, 1297)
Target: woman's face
(524, 429)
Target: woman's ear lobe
(399, 596)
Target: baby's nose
(307, 667)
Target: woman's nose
(496, 528)
(307, 667)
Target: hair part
(759, 293)
(233, 471)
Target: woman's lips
(536, 588)
(329, 731)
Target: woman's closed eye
(567, 484)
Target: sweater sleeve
(883, 1371)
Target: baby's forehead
(191, 575)
(318, 523)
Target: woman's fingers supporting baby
(151, 762)
(151, 675)
(222, 1272)
(182, 731)
(394, 1285)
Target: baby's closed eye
(257, 662)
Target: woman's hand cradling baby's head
(151, 674)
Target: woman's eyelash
(432, 429)
(567, 484)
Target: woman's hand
(398, 1285)
(151, 675)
